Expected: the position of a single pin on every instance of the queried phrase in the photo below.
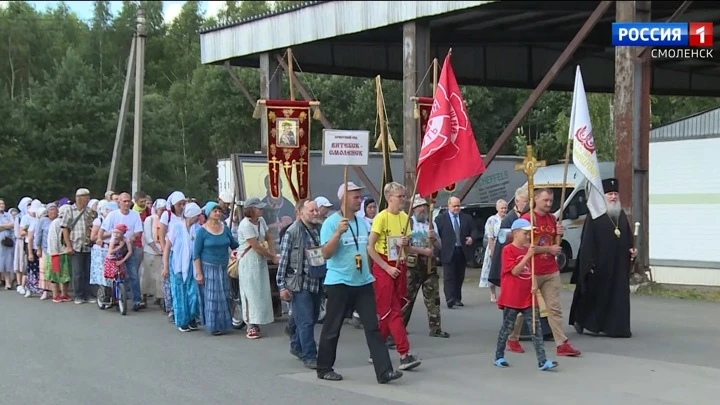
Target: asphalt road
(70, 354)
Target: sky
(83, 9)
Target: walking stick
(529, 166)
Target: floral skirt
(33, 275)
(97, 259)
(60, 276)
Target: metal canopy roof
(503, 44)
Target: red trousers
(390, 296)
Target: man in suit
(457, 231)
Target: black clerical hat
(610, 185)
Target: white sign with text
(343, 147)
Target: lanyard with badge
(358, 256)
(314, 254)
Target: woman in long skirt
(57, 263)
(174, 207)
(492, 228)
(6, 252)
(32, 271)
(211, 256)
(177, 267)
(256, 248)
(100, 249)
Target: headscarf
(23, 205)
(174, 198)
(41, 212)
(366, 201)
(92, 203)
(159, 203)
(34, 207)
(102, 206)
(110, 207)
(192, 210)
(209, 207)
(63, 201)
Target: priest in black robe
(601, 303)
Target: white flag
(584, 154)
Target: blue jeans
(305, 307)
(132, 267)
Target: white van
(575, 203)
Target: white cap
(323, 202)
(82, 192)
(418, 201)
(226, 197)
(350, 187)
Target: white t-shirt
(149, 235)
(131, 220)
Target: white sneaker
(28, 294)
(21, 290)
(44, 296)
(79, 301)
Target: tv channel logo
(694, 35)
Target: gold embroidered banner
(288, 126)
(423, 109)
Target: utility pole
(139, 83)
(122, 120)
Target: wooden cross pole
(529, 166)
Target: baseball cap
(323, 202)
(350, 187)
(226, 197)
(254, 202)
(523, 224)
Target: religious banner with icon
(423, 106)
(288, 126)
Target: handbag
(7, 242)
(233, 264)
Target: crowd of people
(209, 266)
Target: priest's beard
(613, 210)
(421, 217)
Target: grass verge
(682, 292)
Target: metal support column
(269, 90)
(623, 111)
(416, 61)
(642, 71)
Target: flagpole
(431, 203)
(571, 128)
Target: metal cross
(529, 165)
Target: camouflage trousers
(419, 278)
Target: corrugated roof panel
(702, 125)
(314, 22)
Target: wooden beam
(239, 85)
(323, 119)
(540, 89)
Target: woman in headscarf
(256, 248)
(20, 257)
(100, 248)
(57, 269)
(6, 252)
(32, 271)
(152, 261)
(210, 257)
(45, 216)
(492, 229)
(173, 212)
(178, 268)
(368, 210)
(94, 205)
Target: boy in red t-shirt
(518, 286)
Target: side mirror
(572, 212)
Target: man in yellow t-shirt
(388, 237)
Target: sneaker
(21, 290)
(28, 294)
(57, 299)
(311, 364)
(548, 365)
(296, 353)
(90, 301)
(79, 301)
(184, 329)
(44, 296)
(65, 298)
(514, 346)
(193, 326)
(501, 363)
(567, 350)
(409, 363)
(390, 376)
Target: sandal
(253, 333)
(331, 376)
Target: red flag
(449, 152)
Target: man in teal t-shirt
(348, 285)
